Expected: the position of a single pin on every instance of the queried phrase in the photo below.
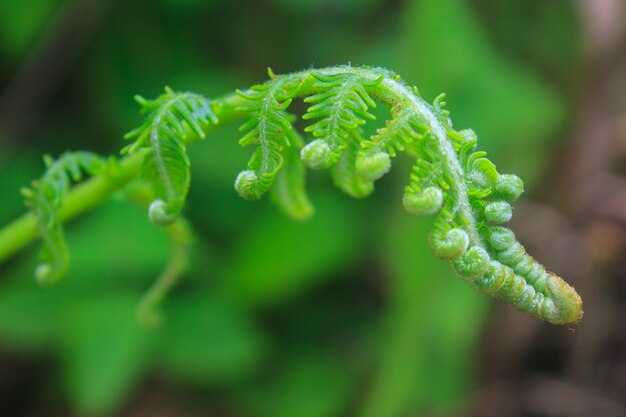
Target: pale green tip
(569, 305)
(498, 212)
(429, 201)
(44, 275)
(301, 212)
(356, 189)
(317, 155)
(371, 167)
(160, 215)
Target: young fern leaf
(344, 172)
(167, 166)
(341, 106)
(402, 132)
(45, 198)
(503, 268)
(424, 194)
(267, 127)
(450, 179)
(288, 191)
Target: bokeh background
(347, 314)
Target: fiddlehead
(401, 133)
(450, 178)
(166, 167)
(45, 198)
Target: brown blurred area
(580, 230)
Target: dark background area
(347, 314)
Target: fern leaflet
(267, 127)
(45, 198)
(167, 166)
(341, 106)
(401, 134)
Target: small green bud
(449, 245)
(472, 264)
(246, 185)
(498, 212)
(159, 214)
(371, 167)
(509, 186)
(494, 278)
(429, 201)
(317, 155)
(43, 274)
(501, 238)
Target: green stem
(89, 194)
(181, 237)
(18, 234)
(21, 232)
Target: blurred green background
(347, 314)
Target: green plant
(450, 177)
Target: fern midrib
(264, 110)
(53, 248)
(335, 117)
(44, 220)
(451, 162)
(156, 146)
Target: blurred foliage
(347, 314)
(21, 24)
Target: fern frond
(167, 166)
(267, 127)
(45, 199)
(451, 179)
(341, 105)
